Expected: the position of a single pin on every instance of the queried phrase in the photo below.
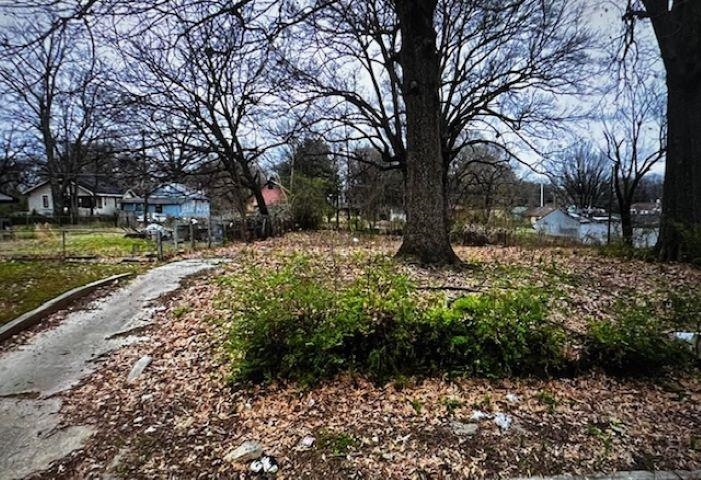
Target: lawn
(27, 284)
(187, 414)
(49, 242)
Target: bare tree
(481, 178)
(14, 162)
(216, 79)
(635, 142)
(582, 174)
(498, 64)
(55, 96)
(370, 190)
(676, 27)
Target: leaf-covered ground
(182, 417)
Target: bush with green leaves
(500, 333)
(288, 324)
(636, 341)
(309, 202)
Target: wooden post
(63, 244)
(175, 236)
(209, 232)
(192, 235)
(159, 244)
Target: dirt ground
(183, 416)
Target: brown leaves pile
(182, 416)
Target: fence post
(159, 243)
(223, 231)
(192, 236)
(63, 244)
(175, 236)
(209, 232)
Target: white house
(100, 199)
(557, 223)
(588, 230)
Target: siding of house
(596, 233)
(35, 201)
(40, 201)
(557, 223)
(195, 208)
(189, 208)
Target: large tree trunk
(426, 237)
(680, 230)
(677, 27)
(626, 222)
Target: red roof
(272, 194)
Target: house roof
(170, 194)
(4, 198)
(273, 194)
(539, 212)
(98, 187)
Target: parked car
(153, 229)
(154, 217)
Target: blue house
(168, 201)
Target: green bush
(499, 333)
(287, 324)
(684, 309)
(635, 341)
(620, 249)
(309, 202)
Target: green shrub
(309, 202)
(493, 334)
(287, 324)
(620, 249)
(636, 341)
(684, 309)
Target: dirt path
(55, 360)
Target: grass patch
(48, 242)
(336, 443)
(26, 285)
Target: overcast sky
(604, 17)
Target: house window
(86, 202)
(159, 208)
(45, 201)
(98, 202)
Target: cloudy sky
(604, 18)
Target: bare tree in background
(635, 142)
(217, 79)
(14, 162)
(498, 64)
(582, 174)
(372, 191)
(481, 178)
(55, 95)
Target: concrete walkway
(55, 360)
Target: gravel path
(55, 360)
